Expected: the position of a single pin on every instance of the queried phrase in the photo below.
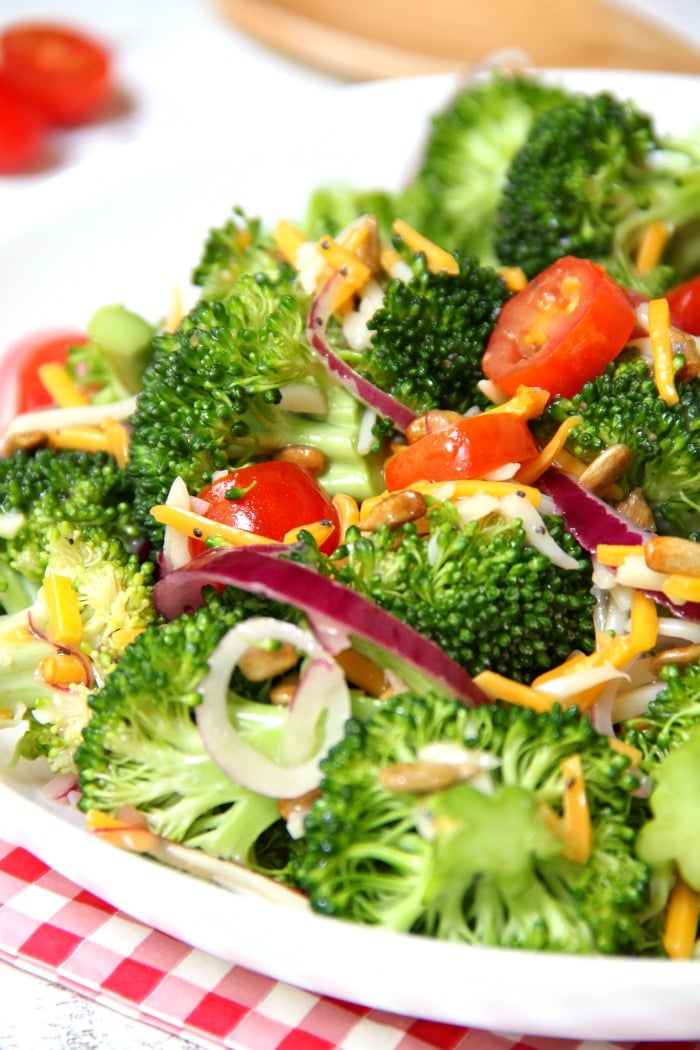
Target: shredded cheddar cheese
(198, 527)
(536, 467)
(681, 926)
(576, 821)
(438, 260)
(60, 386)
(662, 350)
(65, 624)
(651, 247)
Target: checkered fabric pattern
(51, 926)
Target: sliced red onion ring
(592, 521)
(336, 614)
(321, 698)
(384, 404)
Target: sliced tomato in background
(22, 132)
(473, 447)
(270, 499)
(64, 72)
(561, 330)
(20, 386)
(684, 306)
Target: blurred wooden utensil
(372, 39)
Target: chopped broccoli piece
(117, 350)
(240, 246)
(331, 208)
(478, 589)
(142, 749)
(675, 804)
(671, 717)
(47, 488)
(215, 397)
(429, 335)
(623, 406)
(591, 175)
(114, 594)
(453, 196)
(460, 864)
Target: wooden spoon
(368, 39)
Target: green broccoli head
(217, 391)
(41, 489)
(623, 406)
(675, 805)
(478, 589)
(335, 206)
(239, 246)
(142, 749)
(474, 861)
(670, 718)
(453, 195)
(588, 179)
(429, 335)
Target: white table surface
(153, 41)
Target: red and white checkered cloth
(51, 926)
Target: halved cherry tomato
(28, 356)
(270, 499)
(684, 305)
(561, 330)
(471, 448)
(22, 132)
(65, 73)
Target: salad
(371, 581)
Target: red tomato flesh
(684, 306)
(19, 368)
(474, 447)
(22, 132)
(66, 74)
(561, 330)
(270, 499)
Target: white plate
(128, 229)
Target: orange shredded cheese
(60, 386)
(83, 438)
(438, 260)
(388, 258)
(680, 928)
(119, 832)
(199, 527)
(576, 822)
(528, 402)
(498, 687)
(63, 669)
(514, 277)
(117, 437)
(614, 554)
(348, 512)
(177, 310)
(682, 588)
(662, 350)
(536, 467)
(65, 624)
(288, 239)
(320, 530)
(651, 247)
(622, 748)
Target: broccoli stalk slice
(113, 358)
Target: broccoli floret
(41, 489)
(331, 208)
(589, 178)
(670, 718)
(235, 381)
(623, 406)
(479, 589)
(142, 749)
(453, 196)
(112, 360)
(675, 804)
(429, 335)
(477, 861)
(241, 245)
(114, 597)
